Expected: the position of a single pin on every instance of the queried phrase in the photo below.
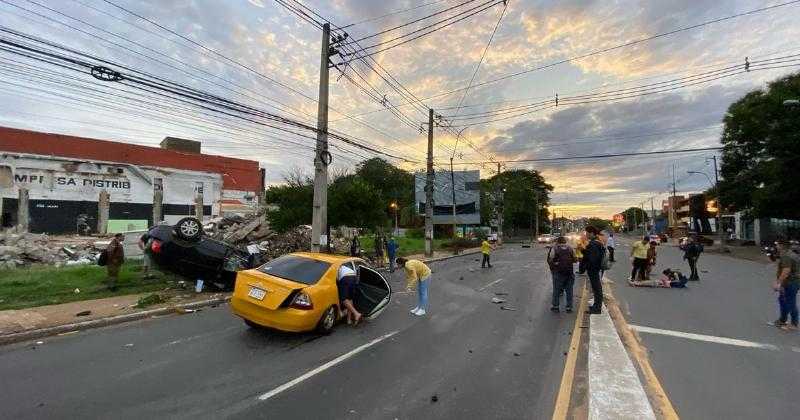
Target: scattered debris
(434, 398)
(151, 299)
(84, 313)
(198, 286)
(76, 291)
(516, 354)
(507, 308)
(501, 293)
(128, 345)
(461, 278)
(470, 350)
(40, 342)
(498, 300)
(18, 249)
(186, 311)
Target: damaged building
(52, 183)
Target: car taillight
(302, 301)
(155, 246)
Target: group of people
(592, 255)
(643, 260)
(385, 249)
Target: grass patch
(408, 246)
(47, 285)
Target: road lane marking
(615, 390)
(324, 367)
(568, 377)
(659, 397)
(706, 338)
(490, 285)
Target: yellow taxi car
(297, 292)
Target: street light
(393, 206)
(703, 173)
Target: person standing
(116, 256)
(486, 251)
(593, 264)
(417, 273)
(611, 244)
(651, 259)
(378, 250)
(562, 261)
(786, 284)
(144, 244)
(692, 253)
(355, 246)
(639, 258)
(391, 249)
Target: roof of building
(237, 174)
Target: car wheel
(189, 228)
(253, 325)
(327, 321)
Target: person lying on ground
(669, 278)
(346, 285)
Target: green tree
(634, 216)
(292, 203)
(352, 201)
(601, 224)
(761, 152)
(524, 191)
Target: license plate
(257, 293)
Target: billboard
(467, 191)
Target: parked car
(545, 238)
(297, 292)
(184, 250)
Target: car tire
(189, 229)
(327, 321)
(253, 325)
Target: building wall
(61, 190)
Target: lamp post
(393, 206)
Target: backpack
(102, 260)
(605, 263)
(550, 257)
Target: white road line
(615, 390)
(324, 367)
(706, 338)
(490, 285)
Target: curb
(103, 322)
(120, 319)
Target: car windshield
(296, 268)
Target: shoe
(779, 324)
(554, 309)
(568, 310)
(414, 311)
(420, 312)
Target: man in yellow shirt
(639, 258)
(486, 250)
(417, 273)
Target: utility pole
(429, 191)
(453, 188)
(536, 215)
(644, 218)
(500, 197)
(720, 232)
(319, 220)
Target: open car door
(372, 293)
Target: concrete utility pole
(22, 210)
(720, 231)
(500, 198)
(158, 201)
(453, 188)
(103, 204)
(319, 219)
(429, 191)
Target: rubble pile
(22, 249)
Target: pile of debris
(239, 230)
(22, 249)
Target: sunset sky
(264, 37)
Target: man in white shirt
(610, 244)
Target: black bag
(102, 260)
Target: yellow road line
(568, 377)
(663, 407)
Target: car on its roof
(298, 292)
(185, 250)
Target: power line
(394, 28)
(396, 12)
(658, 152)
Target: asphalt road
(477, 360)
(708, 377)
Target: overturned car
(184, 250)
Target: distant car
(184, 250)
(297, 292)
(545, 239)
